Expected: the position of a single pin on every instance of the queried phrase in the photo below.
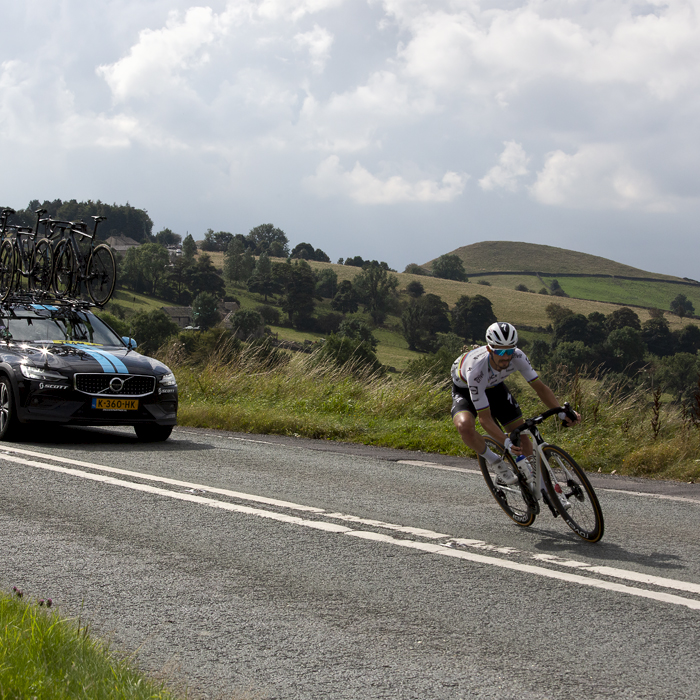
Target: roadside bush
(247, 324)
(151, 329)
(351, 353)
(329, 323)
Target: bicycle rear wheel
(101, 274)
(7, 269)
(42, 267)
(65, 272)
(581, 511)
(513, 499)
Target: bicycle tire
(7, 269)
(512, 499)
(65, 274)
(584, 514)
(41, 267)
(101, 274)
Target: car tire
(10, 427)
(152, 432)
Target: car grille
(115, 384)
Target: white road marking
(445, 548)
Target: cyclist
(478, 391)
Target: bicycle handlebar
(532, 422)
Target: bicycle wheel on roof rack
(65, 270)
(101, 274)
(513, 499)
(41, 267)
(7, 269)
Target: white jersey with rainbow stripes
(473, 370)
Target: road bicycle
(94, 268)
(25, 263)
(558, 481)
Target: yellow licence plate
(116, 404)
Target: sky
(397, 130)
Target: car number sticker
(116, 404)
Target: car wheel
(9, 425)
(152, 432)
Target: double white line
(441, 544)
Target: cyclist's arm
(548, 398)
(493, 429)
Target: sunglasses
(503, 351)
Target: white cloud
(294, 9)
(364, 188)
(598, 176)
(318, 42)
(499, 51)
(512, 165)
(154, 64)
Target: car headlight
(31, 372)
(168, 380)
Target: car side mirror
(129, 342)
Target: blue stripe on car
(109, 363)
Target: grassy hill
(515, 256)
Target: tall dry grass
(298, 394)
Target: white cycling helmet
(501, 335)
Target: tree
(574, 355)
(205, 310)
(422, 320)
(205, 278)
(262, 281)
(415, 289)
(658, 338)
(678, 374)
(247, 324)
(375, 288)
(151, 329)
(682, 306)
(556, 289)
(570, 328)
(689, 339)
(345, 299)
(300, 290)
(357, 261)
(179, 275)
(167, 237)
(267, 237)
(624, 316)
(555, 312)
(415, 269)
(218, 241)
(327, 283)
(625, 349)
(153, 259)
(303, 251)
(471, 316)
(356, 328)
(449, 267)
(238, 262)
(189, 247)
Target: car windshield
(59, 326)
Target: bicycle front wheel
(513, 499)
(101, 274)
(7, 269)
(42, 267)
(65, 273)
(579, 508)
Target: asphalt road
(267, 567)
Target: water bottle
(525, 469)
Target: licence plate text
(116, 404)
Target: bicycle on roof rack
(93, 268)
(558, 481)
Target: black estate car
(59, 363)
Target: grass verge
(625, 434)
(45, 657)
